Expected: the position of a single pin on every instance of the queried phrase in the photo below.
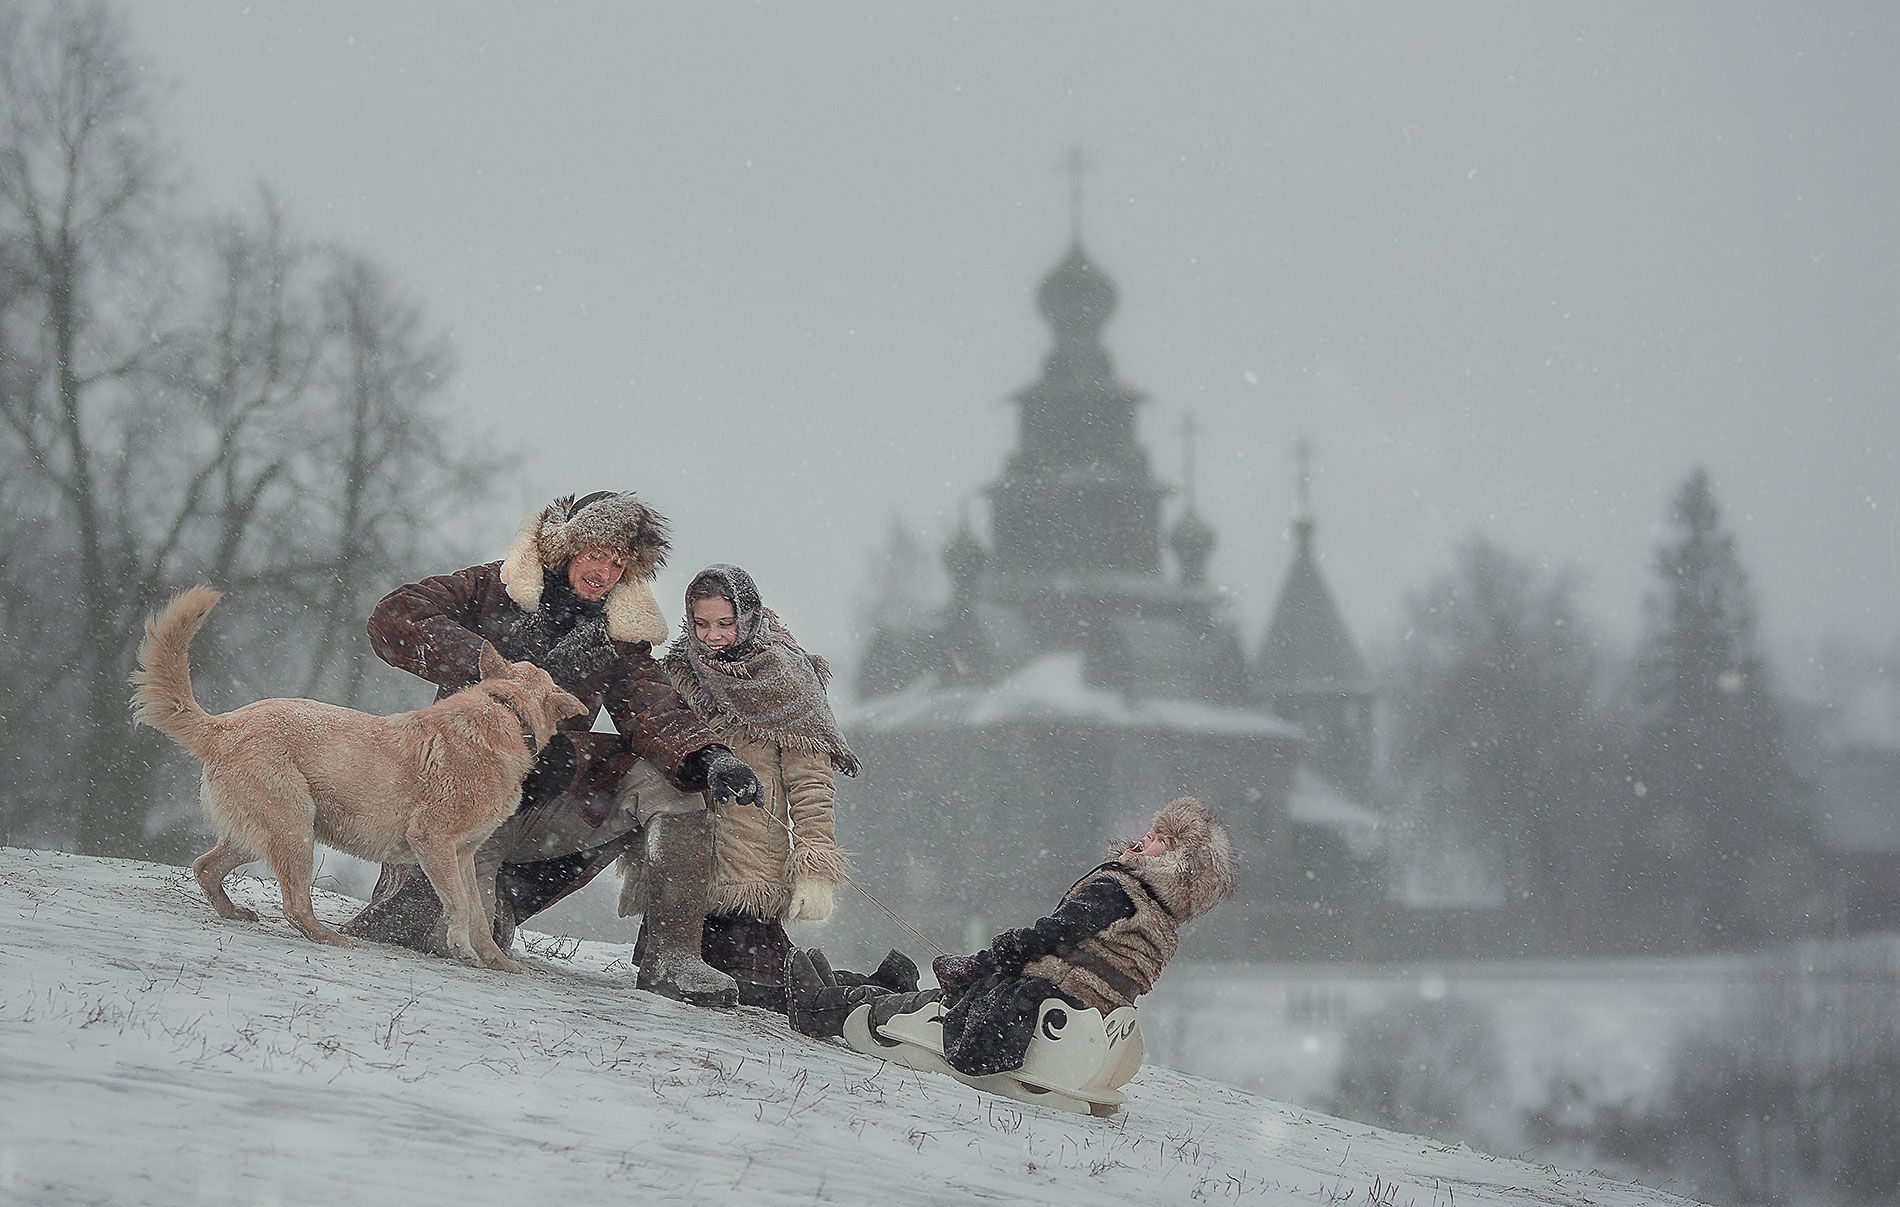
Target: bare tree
(1495, 683)
(397, 465)
(81, 173)
(279, 434)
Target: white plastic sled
(1077, 1060)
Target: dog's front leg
(440, 862)
(482, 922)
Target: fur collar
(632, 612)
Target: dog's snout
(568, 706)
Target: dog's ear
(491, 664)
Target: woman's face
(593, 572)
(714, 623)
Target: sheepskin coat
(435, 628)
(757, 868)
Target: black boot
(896, 974)
(752, 951)
(816, 1007)
(403, 910)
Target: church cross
(1303, 463)
(1075, 165)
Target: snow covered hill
(151, 1053)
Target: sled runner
(1077, 1060)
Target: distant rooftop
(1054, 688)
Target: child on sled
(1104, 946)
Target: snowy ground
(151, 1053)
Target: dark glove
(581, 656)
(1011, 950)
(727, 776)
(957, 973)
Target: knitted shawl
(768, 687)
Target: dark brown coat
(435, 629)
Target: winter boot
(895, 975)
(753, 952)
(679, 856)
(898, 973)
(816, 1006)
(402, 910)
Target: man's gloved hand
(728, 776)
(582, 655)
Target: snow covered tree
(1709, 760)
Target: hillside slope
(151, 1053)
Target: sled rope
(912, 931)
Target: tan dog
(423, 787)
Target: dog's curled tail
(161, 687)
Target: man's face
(593, 572)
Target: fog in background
(1513, 268)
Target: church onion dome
(1192, 541)
(1076, 295)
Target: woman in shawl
(763, 697)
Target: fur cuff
(754, 899)
(816, 863)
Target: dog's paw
(504, 964)
(240, 914)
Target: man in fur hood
(573, 596)
(1104, 946)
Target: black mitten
(581, 656)
(727, 776)
(1010, 949)
(957, 973)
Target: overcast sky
(1515, 268)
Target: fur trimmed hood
(606, 519)
(1199, 872)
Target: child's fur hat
(1198, 871)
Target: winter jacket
(1104, 945)
(759, 871)
(435, 629)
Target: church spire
(1307, 647)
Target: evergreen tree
(1710, 759)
